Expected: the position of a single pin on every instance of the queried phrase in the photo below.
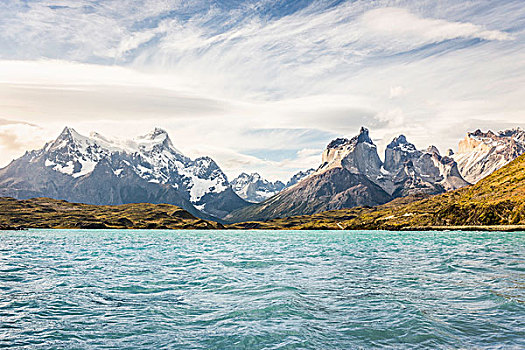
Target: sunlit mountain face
(260, 86)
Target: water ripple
(261, 290)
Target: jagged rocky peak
(299, 176)
(517, 134)
(400, 142)
(398, 152)
(364, 136)
(67, 132)
(342, 142)
(358, 154)
(68, 136)
(481, 153)
(246, 178)
(337, 143)
(479, 133)
(254, 177)
(254, 188)
(433, 150)
(476, 139)
(489, 139)
(241, 177)
(410, 171)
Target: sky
(260, 85)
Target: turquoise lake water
(80, 289)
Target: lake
(132, 289)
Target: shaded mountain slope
(333, 189)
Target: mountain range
(474, 207)
(253, 188)
(99, 170)
(496, 202)
(103, 171)
(352, 174)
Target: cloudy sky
(260, 85)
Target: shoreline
(498, 228)
(492, 228)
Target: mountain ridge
(408, 171)
(255, 189)
(481, 153)
(98, 170)
(495, 202)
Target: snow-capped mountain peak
(481, 153)
(400, 142)
(254, 188)
(156, 138)
(72, 153)
(68, 137)
(156, 133)
(152, 157)
(299, 176)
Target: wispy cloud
(15, 122)
(398, 22)
(220, 75)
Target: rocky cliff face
(409, 171)
(97, 170)
(482, 153)
(405, 171)
(358, 155)
(352, 174)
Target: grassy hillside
(52, 213)
(499, 199)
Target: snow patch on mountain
(482, 153)
(152, 157)
(301, 175)
(253, 188)
(200, 187)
